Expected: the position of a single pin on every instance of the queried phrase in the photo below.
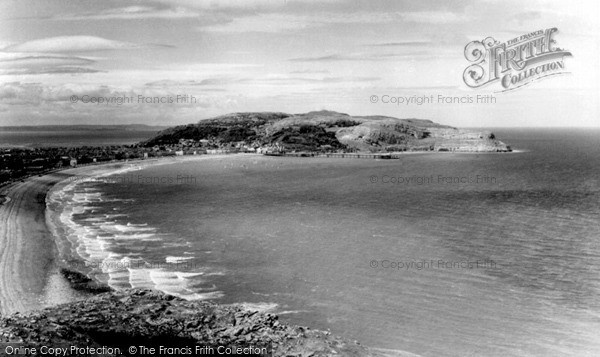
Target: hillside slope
(329, 131)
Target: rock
(82, 282)
(150, 318)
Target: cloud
(275, 22)
(28, 95)
(328, 58)
(269, 80)
(278, 22)
(401, 44)
(310, 71)
(358, 57)
(36, 103)
(4, 44)
(283, 80)
(421, 54)
(19, 93)
(243, 4)
(25, 63)
(72, 44)
(270, 23)
(56, 70)
(434, 17)
(132, 13)
(53, 55)
(42, 60)
(216, 81)
(525, 17)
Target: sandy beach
(26, 246)
(29, 266)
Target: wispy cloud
(72, 44)
(26, 64)
(131, 13)
(276, 22)
(37, 101)
(292, 80)
(420, 52)
(4, 44)
(257, 53)
(271, 80)
(52, 70)
(527, 16)
(270, 23)
(245, 4)
(55, 55)
(310, 71)
(434, 17)
(168, 83)
(401, 44)
(328, 58)
(361, 57)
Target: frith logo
(514, 63)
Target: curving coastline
(31, 279)
(27, 259)
(30, 275)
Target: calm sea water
(504, 263)
(71, 138)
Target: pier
(384, 156)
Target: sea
(436, 254)
(73, 136)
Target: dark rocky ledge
(150, 318)
(82, 282)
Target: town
(19, 163)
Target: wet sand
(29, 264)
(26, 246)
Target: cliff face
(149, 318)
(392, 134)
(327, 130)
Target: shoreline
(30, 265)
(27, 250)
(382, 156)
(23, 214)
(27, 288)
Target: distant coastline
(94, 127)
(313, 134)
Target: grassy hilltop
(329, 131)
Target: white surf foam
(96, 244)
(174, 260)
(180, 284)
(259, 306)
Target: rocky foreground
(122, 319)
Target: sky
(212, 57)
